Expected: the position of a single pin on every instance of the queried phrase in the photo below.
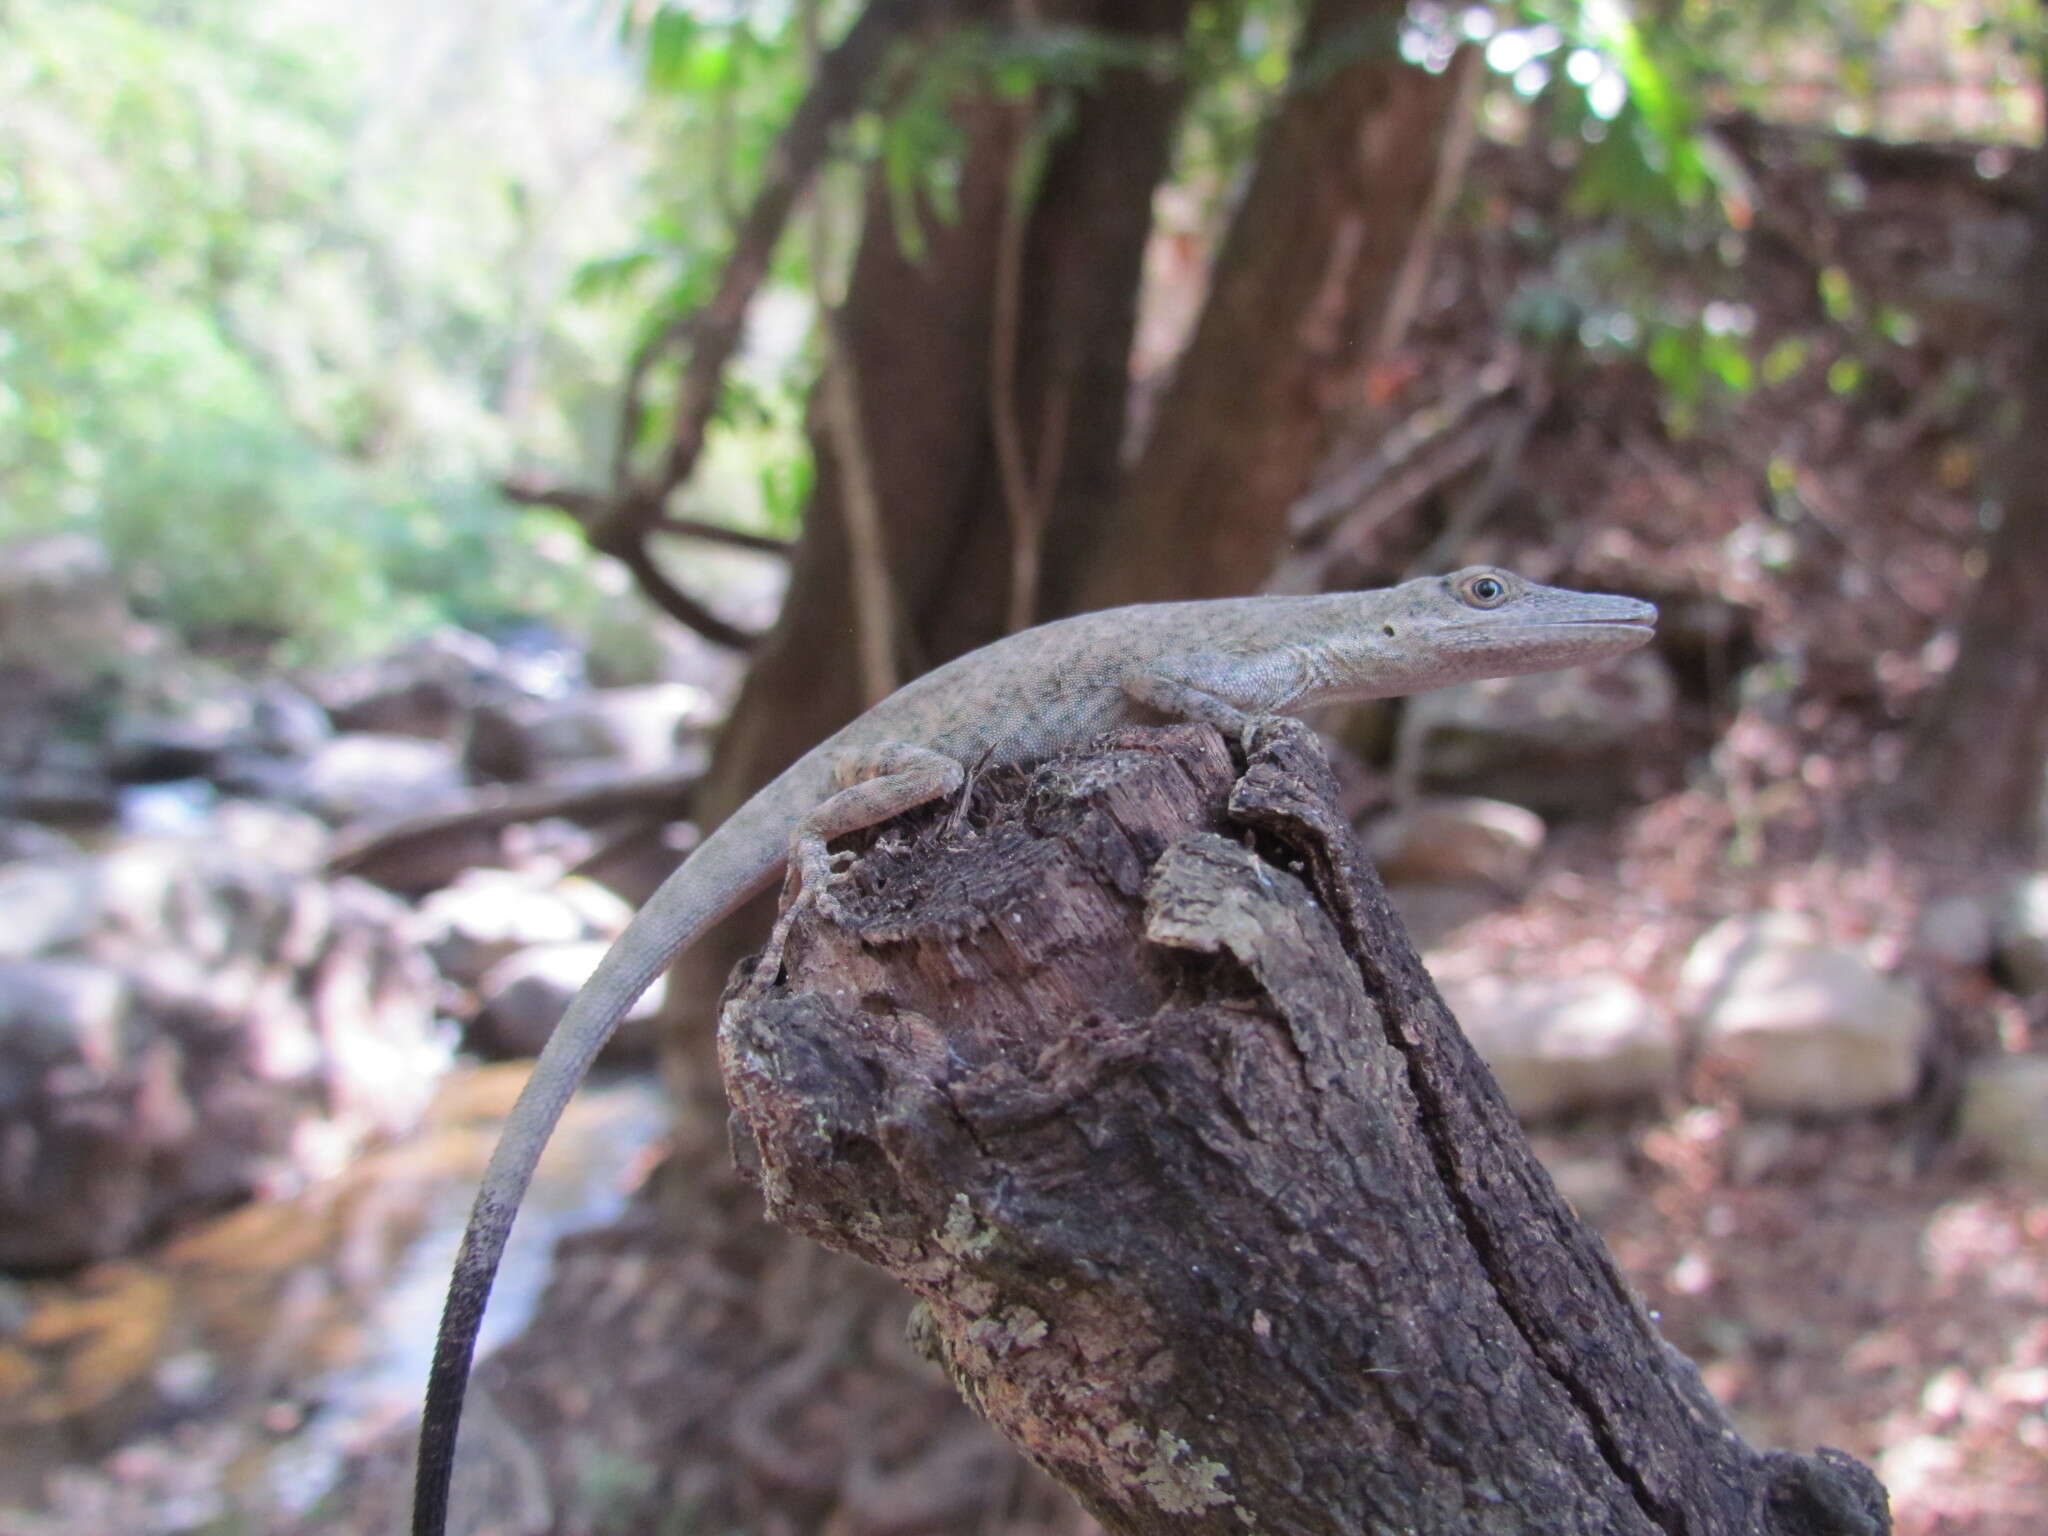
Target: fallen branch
(497, 806)
(1207, 1203)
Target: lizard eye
(1483, 590)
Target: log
(1127, 1070)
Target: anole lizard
(1224, 661)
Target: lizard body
(1226, 661)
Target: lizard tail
(689, 902)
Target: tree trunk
(1310, 284)
(1208, 1205)
(1970, 794)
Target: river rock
(488, 915)
(2020, 929)
(1804, 1026)
(64, 621)
(363, 776)
(612, 730)
(196, 1025)
(32, 840)
(60, 781)
(523, 999)
(425, 688)
(1560, 1044)
(1464, 840)
(2004, 1114)
(46, 904)
(1570, 741)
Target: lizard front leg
(875, 784)
(1232, 693)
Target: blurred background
(449, 455)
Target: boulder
(430, 687)
(2020, 936)
(609, 731)
(59, 780)
(1570, 741)
(64, 621)
(361, 776)
(189, 1023)
(1566, 1043)
(523, 999)
(1464, 840)
(2004, 1114)
(489, 915)
(46, 904)
(1804, 1026)
(1432, 913)
(32, 840)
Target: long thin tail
(708, 885)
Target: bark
(1209, 1206)
(1311, 281)
(1970, 793)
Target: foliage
(255, 324)
(284, 284)
(1631, 103)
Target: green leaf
(607, 277)
(670, 45)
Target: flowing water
(221, 1381)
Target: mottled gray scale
(1034, 694)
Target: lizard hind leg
(875, 783)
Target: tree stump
(1127, 1069)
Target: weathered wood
(1131, 1075)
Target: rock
(1432, 913)
(1459, 841)
(359, 776)
(525, 996)
(64, 621)
(153, 740)
(420, 690)
(1806, 1027)
(635, 730)
(74, 1181)
(199, 1025)
(1575, 740)
(60, 781)
(1961, 929)
(2004, 1114)
(1558, 1044)
(56, 1012)
(284, 722)
(2021, 936)
(489, 915)
(429, 687)
(295, 840)
(32, 840)
(1596, 1183)
(46, 904)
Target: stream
(223, 1380)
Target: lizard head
(1487, 622)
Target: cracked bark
(1131, 1076)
